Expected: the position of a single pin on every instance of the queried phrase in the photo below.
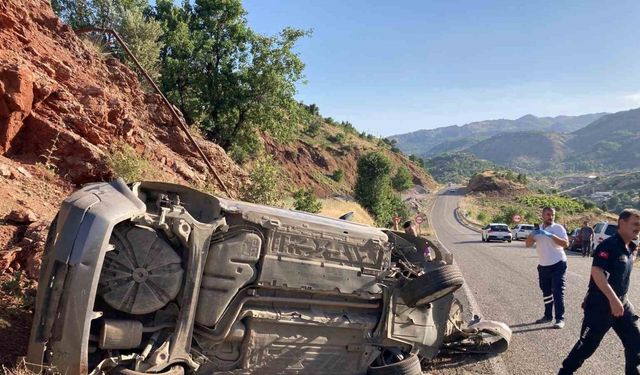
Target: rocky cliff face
(56, 93)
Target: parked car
(496, 231)
(521, 231)
(602, 231)
(575, 240)
(160, 278)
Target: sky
(392, 67)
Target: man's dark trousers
(597, 321)
(552, 282)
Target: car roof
(497, 224)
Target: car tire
(407, 366)
(432, 286)
(509, 241)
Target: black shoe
(544, 319)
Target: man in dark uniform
(606, 305)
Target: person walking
(550, 240)
(586, 238)
(606, 305)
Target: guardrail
(463, 221)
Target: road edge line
(497, 363)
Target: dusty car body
(160, 278)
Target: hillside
(310, 160)
(455, 138)
(493, 183)
(456, 167)
(610, 142)
(523, 150)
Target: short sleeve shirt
(616, 260)
(549, 252)
(585, 233)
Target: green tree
(402, 180)
(142, 37)
(305, 200)
(227, 78)
(373, 186)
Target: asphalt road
(503, 279)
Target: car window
(501, 228)
(611, 230)
(527, 227)
(598, 227)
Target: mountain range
(588, 142)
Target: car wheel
(432, 285)
(407, 366)
(509, 241)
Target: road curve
(504, 281)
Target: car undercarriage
(160, 278)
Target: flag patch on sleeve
(603, 254)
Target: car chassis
(161, 278)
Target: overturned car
(160, 278)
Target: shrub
(125, 162)
(402, 180)
(337, 175)
(313, 128)
(305, 200)
(264, 177)
(481, 217)
(373, 187)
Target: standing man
(586, 235)
(606, 304)
(550, 240)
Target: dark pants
(586, 248)
(552, 282)
(597, 321)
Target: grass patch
(335, 208)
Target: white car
(602, 231)
(521, 231)
(496, 231)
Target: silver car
(160, 278)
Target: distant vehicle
(575, 240)
(521, 231)
(496, 231)
(602, 231)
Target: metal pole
(183, 126)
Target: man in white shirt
(550, 241)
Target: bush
(373, 187)
(305, 200)
(481, 217)
(337, 175)
(264, 177)
(313, 128)
(125, 162)
(402, 180)
(338, 138)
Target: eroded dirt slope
(62, 108)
